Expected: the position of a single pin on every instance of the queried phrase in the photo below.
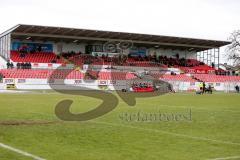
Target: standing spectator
(30, 65)
(18, 65)
(204, 87)
(201, 87)
(8, 64)
(237, 88)
(39, 48)
(177, 56)
(213, 65)
(22, 66)
(11, 65)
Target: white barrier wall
(80, 84)
(172, 53)
(190, 86)
(3, 63)
(68, 84)
(2, 86)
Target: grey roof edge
(9, 30)
(210, 40)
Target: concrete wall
(66, 47)
(3, 63)
(71, 84)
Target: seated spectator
(22, 55)
(32, 50)
(54, 61)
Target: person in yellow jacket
(201, 86)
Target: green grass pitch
(28, 123)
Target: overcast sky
(208, 19)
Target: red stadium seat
(216, 78)
(178, 77)
(39, 57)
(63, 74)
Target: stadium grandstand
(34, 56)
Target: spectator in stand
(23, 49)
(33, 50)
(24, 65)
(177, 56)
(228, 73)
(22, 55)
(213, 65)
(54, 61)
(18, 65)
(8, 64)
(39, 48)
(11, 65)
(30, 65)
(237, 88)
(21, 65)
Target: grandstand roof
(62, 34)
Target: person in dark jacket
(237, 88)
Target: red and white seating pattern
(202, 69)
(63, 74)
(216, 78)
(178, 77)
(80, 59)
(38, 57)
(74, 74)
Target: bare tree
(233, 50)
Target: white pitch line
(21, 152)
(226, 158)
(198, 108)
(170, 133)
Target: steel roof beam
(111, 39)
